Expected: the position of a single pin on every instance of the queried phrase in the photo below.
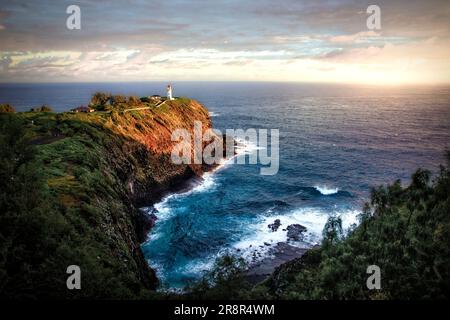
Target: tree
(332, 231)
(225, 280)
(43, 108)
(6, 108)
(27, 220)
(118, 100)
(100, 99)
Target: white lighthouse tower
(169, 92)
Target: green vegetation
(43, 108)
(71, 185)
(225, 280)
(107, 102)
(6, 108)
(62, 204)
(99, 100)
(404, 231)
(145, 99)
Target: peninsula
(76, 182)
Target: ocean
(336, 142)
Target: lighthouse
(169, 92)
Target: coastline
(260, 267)
(94, 172)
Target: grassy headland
(71, 187)
(72, 184)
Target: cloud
(431, 49)
(355, 38)
(224, 40)
(3, 15)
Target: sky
(226, 40)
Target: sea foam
(326, 190)
(260, 238)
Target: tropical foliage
(405, 231)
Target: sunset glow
(235, 40)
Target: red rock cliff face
(147, 149)
(143, 158)
(177, 115)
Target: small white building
(169, 92)
(155, 98)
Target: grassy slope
(74, 198)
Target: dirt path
(146, 108)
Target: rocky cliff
(91, 173)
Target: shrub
(100, 99)
(134, 101)
(118, 99)
(6, 108)
(224, 281)
(43, 108)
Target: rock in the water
(275, 225)
(153, 211)
(295, 232)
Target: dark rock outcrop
(295, 232)
(275, 225)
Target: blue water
(336, 142)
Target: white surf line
(207, 182)
(259, 240)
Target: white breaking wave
(242, 148)
(260, 238)
(246, 147)
(198, 266)
(207, 184)
(326, 190)
(214, 114)
(163, 208)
